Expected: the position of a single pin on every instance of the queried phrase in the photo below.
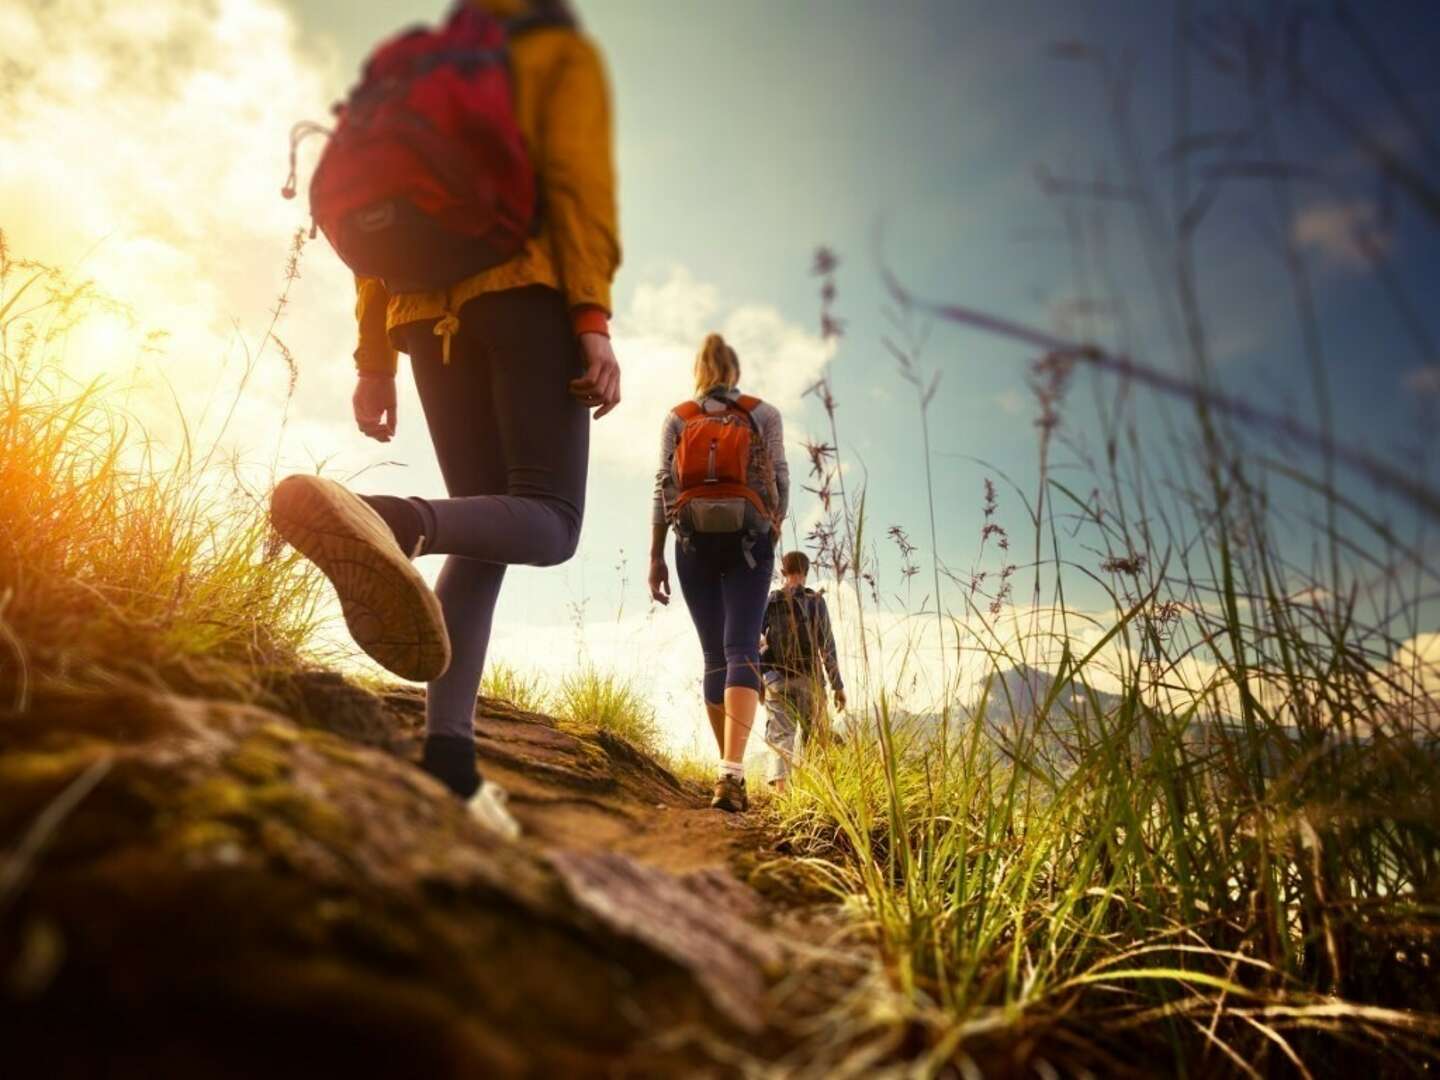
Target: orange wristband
(590, 319)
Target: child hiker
(430, 189)
(799, 654)
(723, 485)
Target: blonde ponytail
(716, 365)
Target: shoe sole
(390, 611)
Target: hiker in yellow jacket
(508, 364)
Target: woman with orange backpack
(724, 486)
(469, 183)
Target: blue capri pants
(726, 597)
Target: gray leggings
(514, 447)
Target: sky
(143, 145)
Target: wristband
(590, 319)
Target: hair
(795, 562)
(556, 9)
(716, 365)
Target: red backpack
(716, 455)
(426, 179)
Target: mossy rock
(241, 895)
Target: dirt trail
(241, 878)
(568, 796)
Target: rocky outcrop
(212, 889)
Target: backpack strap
(747, 403)
(523, 24)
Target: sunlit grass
(589, 699)
(114, 562)
(525, 690)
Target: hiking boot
(730, 795)
(489, 807)
(390, 611)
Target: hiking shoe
(730, 795)
(392, 614)
(489, 807)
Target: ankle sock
(733, 769)
(451, 760)
(410, 520)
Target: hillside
(221, 890)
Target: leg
(745, 591)
(779, 731)
(513, 448)
(700, 586)
(458, 402)
(741, 705)
(529, 355)
(815, 729)
(716, 713)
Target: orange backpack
(714, 457)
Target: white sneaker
(489, 809)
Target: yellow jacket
(562, 103)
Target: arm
(828, 653)
(576, 164)
(775, 447)
(765, 665)
(665, 492)
(374, 355)
(659, 579)
(659, 521)
(577, 174)
(373, 402)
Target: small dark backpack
(426, 179)
(789, 634)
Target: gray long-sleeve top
(772, 431)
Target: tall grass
(1209, 841)
(114, 560)
(589, 699)
(526, 690)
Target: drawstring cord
(446, 329)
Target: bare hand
(659, 581)
(374, 404)
(599, 387)
(839, 700)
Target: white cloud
(1415, 666)
(1344, 235)
(142, 145)
(657, 337)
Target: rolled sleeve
(775, 446)
(664, 481)
(374, 354)
(828, 653)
